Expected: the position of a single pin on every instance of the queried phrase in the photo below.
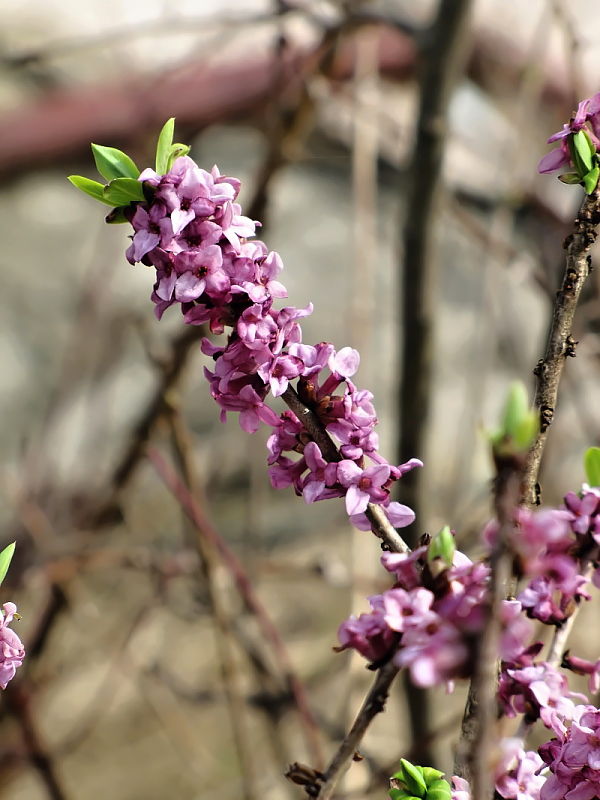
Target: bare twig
(248, 595)
(18, 701)
(157, 406)
(373, 704)
(560, 344)
(478, 733)
(230, 671)
(443, 55)
(561, 635)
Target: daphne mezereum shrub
(188, 226)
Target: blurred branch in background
(444, 54)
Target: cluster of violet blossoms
(431, 619)
(12, 651)
(194, 234)
(586, 118)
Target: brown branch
(373, 704)
(18, 702)
(444, 55)
(230, 672)
(560, 344)
(158, 405)
(478, 728)
(251, 600)
(380, 524)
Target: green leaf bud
(590, 179)
(591, 462)
(429, 773)
(413, 778)
(5, 559)
(163, 147)
(442, 546)
(112, 163)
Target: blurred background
(149, 671)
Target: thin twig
(373, 704)
(18, 700)
(443, 55)
(248, 595)
(560, 344)
(157, 406)
(561, 635)
(478, 733)
(230, 671)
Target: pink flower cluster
(586, 118)
(550, 546)
(12, 651)
(574, 759)
(194, 234)
(516, 774)
(431, 620)
(539, 691)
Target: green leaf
(439, 790)
(163, 147)
(116, 216)
(442, 546)
(5, 559)
(591, 462)
(112, 163)
(590, 180)
(430, 774)
(516, 407)
(519, 422)
(400, 794)
(413, 778)
(177, 150)
(570, 177)
(93, 188)
(122, 191)
(584, 149)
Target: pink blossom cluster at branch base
(431, 620)
(586, 118)
(12, 651)
(574, 759)
(552, 547)
(516, 774)
(195, 236)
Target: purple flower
(193, 232)
(517, 773)
(460, 789)
(435, 654)
(586, 118)
(12, 651)
(405, 610)
(152, 228)
(363, 486)
(574, 759)
(368, 634)
(580, 666)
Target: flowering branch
(373, 704)
(578, 147)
